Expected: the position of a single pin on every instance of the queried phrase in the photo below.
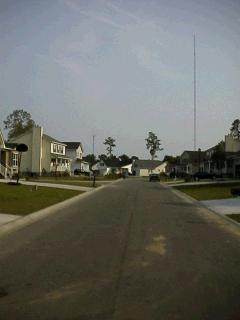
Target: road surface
(134, 250)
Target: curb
(40, 214)
(189, 199)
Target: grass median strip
(22, 199)
(209, 191)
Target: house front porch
(8, 163)
(60, 164)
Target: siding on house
(40, 155)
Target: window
(57, 148)
(14, 159)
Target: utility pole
(94, 173)
(194, 98)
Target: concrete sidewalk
(224, 206)
(5, 218)
(51, 185)
(197, 183)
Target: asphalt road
(131, 251)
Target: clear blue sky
(121, 69)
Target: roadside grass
(75, 180)
(83, 183)
(209, 191)
(22, 200)
(235, 217)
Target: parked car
(203, 175)
(154, 177)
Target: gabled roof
(52, 139)
(115, 163)
(2, 143)
(73, 145)
(146, 164)
(193, 155)
(11, 145)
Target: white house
(127, 168)
(142, 168)
(8, 158)
(74, 150)
(108, 166)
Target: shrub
(235, 191)
(187, 178)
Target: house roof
(232, 155)
(11, 145)
(52, 139)
(146, 164)
(193, 156)
(73, 145)
(113, 163)
(2, 142)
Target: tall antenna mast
(194, 83)
(93, 144)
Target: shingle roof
(73, 145)
(11, 145)
(146, 164)
(193, 156)
(113, 163)
(51, 138)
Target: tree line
(20, 121)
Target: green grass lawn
(75, 181)
(209, 192)
(21, 200)
(69, 182)
(235, 217)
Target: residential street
(134, 250)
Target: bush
(188, 178)
(235, 191)
(163, 175)
(113, 176)
(66, 173)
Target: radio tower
(194, 98)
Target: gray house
(45, 154)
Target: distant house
(142, 168)
(108, 166)
(8, 158)
(127, 169)
(192, 161)
(74, 150)
(45, 154)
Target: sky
(122, 68)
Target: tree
(110, 142)
(102, 157)
(134, 158)
(124, 159)
(235, 129)
(171, 159)
(90, 158)
(18, 122)
(153, 144)
(219, 155)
